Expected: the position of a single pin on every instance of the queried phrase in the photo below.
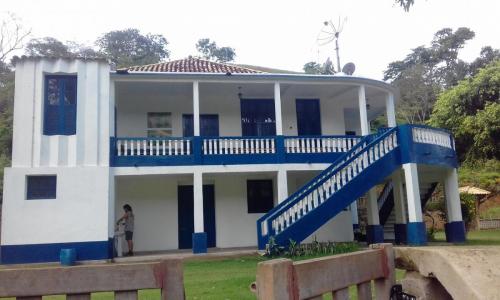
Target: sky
(272, 33)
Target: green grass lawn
(483, 237)
(491, 213)
(231, 278)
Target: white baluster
(273, 148)
(188, 147)
(119, 148)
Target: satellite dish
(349, 68)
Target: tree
(472, 111)
(405, 4)
(209, 50)
(47, 46)
(315, 68)
(12, 36)
(129, 47)
(427, 71)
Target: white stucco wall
(90, 145)
(154, 202)
(78, 214)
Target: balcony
(179, 151)
(420, 144)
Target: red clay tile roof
(192, 65)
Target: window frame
(33, 195)
(64, 113)
(149, 129)
(255, 207)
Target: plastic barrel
(67, 257)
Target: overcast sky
(280, 34)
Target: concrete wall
(78, 214)
(154, 202)
(90, 145)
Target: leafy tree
(47, 46)
(472, 111)
(12, 37)
(405, 4)
(129, 47)
(315, 68)
(427, 71)
(209, 50)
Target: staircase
(387, 213)
(368, 163)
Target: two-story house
(210, 155)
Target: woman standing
(128, 217)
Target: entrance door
(186, 215)
(209, 125)
(308, 117)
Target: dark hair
(127, 207)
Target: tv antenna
(331, 33)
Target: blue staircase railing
(332, 190)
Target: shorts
(129, 235)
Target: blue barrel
(67, 256)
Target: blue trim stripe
(199, 242)
(455, 232)
(37, 253)
(374, 234)
(416, 234)
(400, 234)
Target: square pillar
(199, 235)
(282, 183)
(416, 231)
(277, 108)
(399, 209)
(363, 115)
(455, 228)
(374, 231)
(354, 217)
(390, 111)
(196, 108)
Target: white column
(390, 110)
(363, 115)
(354, 212)
(413, 192)
(112, 109)
(399, 203)
(282, 186)
(372, 207)
(196, 109)
(452, 195)
(277, 108)
(198, 201)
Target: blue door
(308, 117)
(185, 215)
(209, 125)
(258, 117)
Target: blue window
(308, 117)
(258, 117)
(60, 105)
(259, 196)
(41, 187)
(209, 125)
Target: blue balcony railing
(165, 151)
(176, 151)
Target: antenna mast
(332, 33)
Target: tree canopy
(472, 111)
(313, 67)
(209, 50)
(428, 70)
(129, 47)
